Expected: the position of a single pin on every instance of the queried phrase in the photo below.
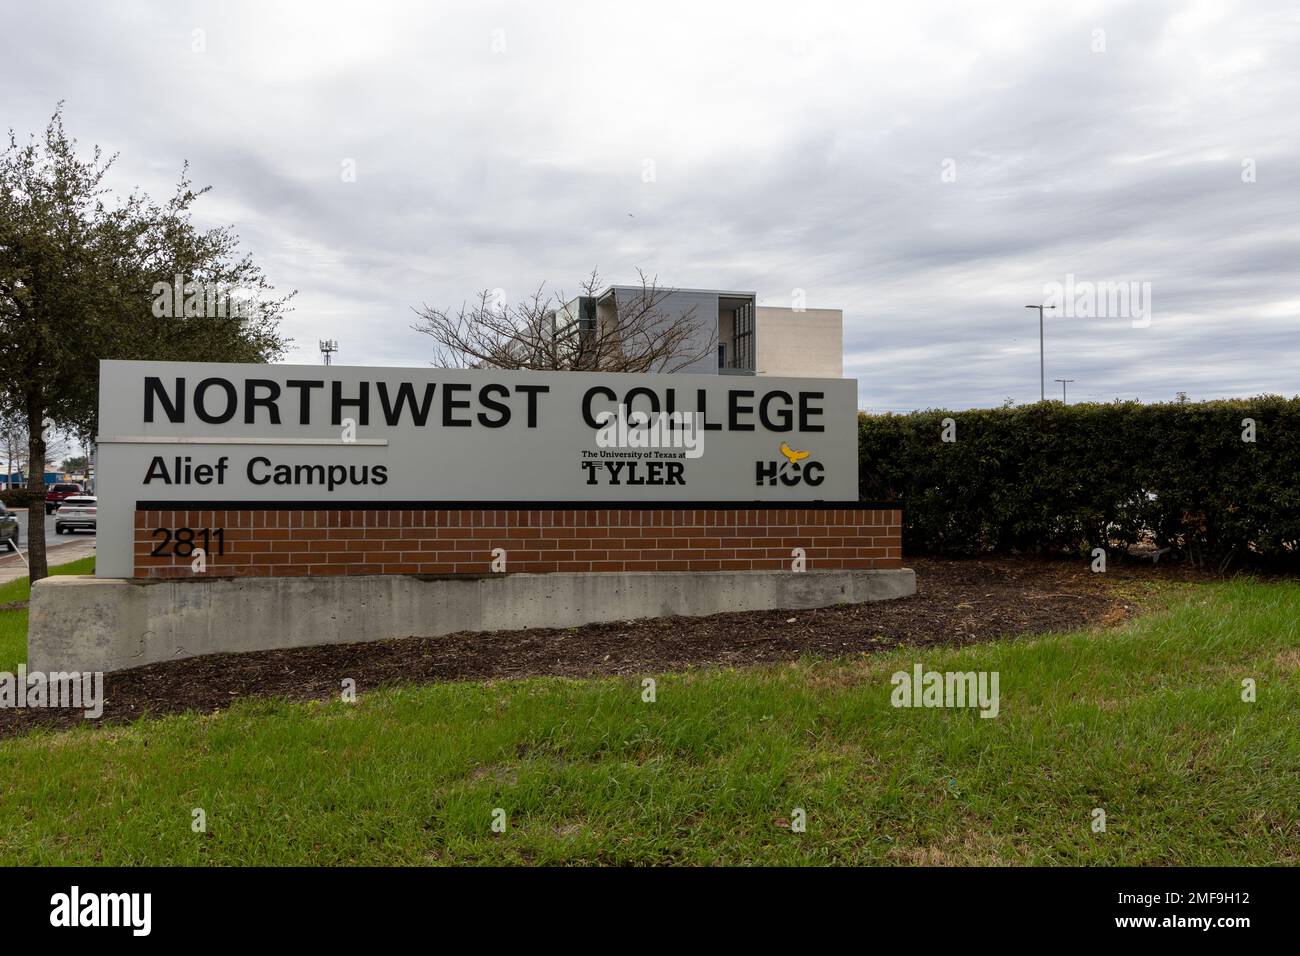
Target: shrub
(16, 497)
(1052, 477)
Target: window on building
(744, 337)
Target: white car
(75, 511)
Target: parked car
(8, 529)
(77, 511)
(58, 491)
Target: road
(50, 537)
(60, 549)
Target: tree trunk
(36, 563)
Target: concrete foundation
(105, 624)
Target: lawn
(13, 623)
(1145, 721)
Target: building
(19, 480)
(807, 343)
(746, 338)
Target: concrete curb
(105, 624)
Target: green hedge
(1052, 477)
(15, 497)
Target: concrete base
(104, 624)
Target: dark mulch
(957, 602)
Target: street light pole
(1063, 381)
(1042, 374)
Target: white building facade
(736, 335)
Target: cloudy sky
(928, 168)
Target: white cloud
(793, 146)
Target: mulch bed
(957, 602)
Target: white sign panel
(216, 435)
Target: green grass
(13, 623)
(1145, 721)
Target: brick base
(266, 543)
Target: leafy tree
(80, 279)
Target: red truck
(57, 492)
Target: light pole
(1042, 374)
(1063, 381)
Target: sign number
(182, 541)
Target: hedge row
(15, 497)
(1052, 477)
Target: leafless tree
(541, 333)
(13, 442)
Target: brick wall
(441, 541)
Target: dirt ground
(957, 602)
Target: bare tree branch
(639, 335)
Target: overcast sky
(927, 168)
